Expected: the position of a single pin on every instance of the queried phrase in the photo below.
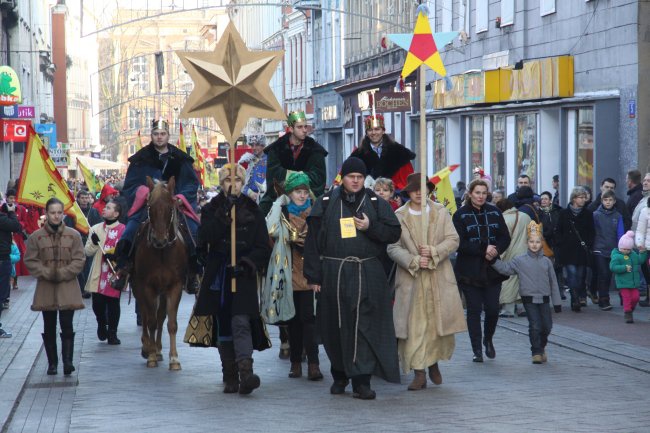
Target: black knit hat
(353, 165)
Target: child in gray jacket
(537, 287)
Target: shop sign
(15, 130)
(47, 132)
(391, 102)
(631, 108)
(9, 111)
(329, 113)
(60, 157)
(26, 112)
(10, 93)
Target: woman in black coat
(573, 238)
(483, 237)
(235, 314)
(549, 214)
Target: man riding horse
(158, 160)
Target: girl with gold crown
(537, 287)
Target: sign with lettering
(26, 112)
(390, 102)
(9, 111)
(10, 93)
(60, 157)
(47, 132)
(15, 130)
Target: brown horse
(160, 271)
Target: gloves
(557, 308)
(94, 238)
(234, 271)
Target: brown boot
(434, 374)
(419, 381)
(296, 370)
(313, 372)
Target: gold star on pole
(231, 84)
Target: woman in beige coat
(55, 256)
(428, 309)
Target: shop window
(498, 151)
(476, 128)
(585, 146)
(439, 144)
(526, 149)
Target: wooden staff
(233, 230)
(423, 151)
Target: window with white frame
(507, 12)
(481, 16)
(546, 7)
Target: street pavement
(597, 380)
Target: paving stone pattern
(590, 384)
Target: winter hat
(224, 172)
(627, 241)
(296, 180)
(353, 165)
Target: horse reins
(168, 242)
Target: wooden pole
(233, 228)
(423, 151)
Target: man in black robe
(349, 229)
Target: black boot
(193, 284)
(67, 347)
(102, 331)
(575, 300)
(248, 381)
(122, 256)
(49, 341)
(112, 337)
(229, 368)
(489, 348)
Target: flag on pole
(194, 140)
(92, 182)
(138, 142)
(40, 181)
(444, 191)
(199, 162)
(181, 139)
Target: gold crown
(160, 123)
(534, 229)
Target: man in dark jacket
(158, 160)
(634, 190)
(294, 151)
(609, 184)
(8, 226)
(349, 229)
(382, 156)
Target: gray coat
(536, 276)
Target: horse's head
(161, 208)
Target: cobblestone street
(592, 383)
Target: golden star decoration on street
(231, 84)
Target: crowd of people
(373, 269)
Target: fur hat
(626, 242)
(224, 172)
(413, 183)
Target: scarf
(575, 210)
(294, 209)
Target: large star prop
(422, 46)
(231, 84)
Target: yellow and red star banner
(199, 163)
(422, 46)
(444, 192)
(138, 142)
(41, 181)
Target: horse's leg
(149, 321)
(161, 314)
(173, 299)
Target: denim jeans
(539, 325)
(603, 275)
(574, 277)
(481, 299)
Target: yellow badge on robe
(348, 229)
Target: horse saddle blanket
(142, 194)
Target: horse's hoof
(152, 364)
(174, 366)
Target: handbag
(199, 332)
(259, 334)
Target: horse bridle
(172, 224)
